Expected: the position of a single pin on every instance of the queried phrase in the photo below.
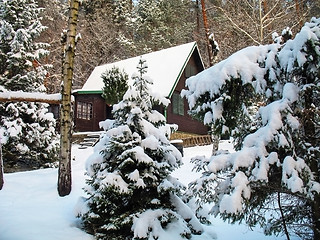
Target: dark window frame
(84, 110)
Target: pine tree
(267, 97)
(164, 23)
(115, 85)
(27, 129)
(122, 11)
(131, 194)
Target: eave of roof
(79, 91)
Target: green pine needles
(27, 130)
(131, 194)
(115, 85)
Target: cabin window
(177, 104)
(190, 70)
(84, 110)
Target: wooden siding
(99, 112)
(185, 122)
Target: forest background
(113, 30)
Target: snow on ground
(30, 208)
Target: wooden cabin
(168, 68)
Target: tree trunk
(198, 16)
(315, 204)
(1, 167)
(283, 220)
(206, 28)
(298, 11)
(310, 133)
(64, 175)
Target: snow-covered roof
(164, 68)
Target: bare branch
(236, 25)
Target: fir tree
(276, 162)
(115, 85)
(131, 194)
(122, 11)
(164, 23)
(27, 129)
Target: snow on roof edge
(165, 68)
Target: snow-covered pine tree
(131, 194)
(27, 129)
(122, 11)
(276, 163)
(115, 85)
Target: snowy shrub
(27, 130)
(131, 194)
(277, 157)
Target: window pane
(84, 110)
(177, 104)
(190, 70)
(79, 110)
(89, 111)
(181, 106)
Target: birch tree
(64, 177)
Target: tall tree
(27, 129)
(64, 177)
(207, 31)
(159, 24)
(277, 145)
(131, 194)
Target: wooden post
(64, 173)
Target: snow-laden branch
(19, 96)
(278, 143)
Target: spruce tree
(267, 97)
(131, 194)
(115, 85)
(27, 129)
(164, 23)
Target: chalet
(168, 68)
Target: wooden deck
(90, 139)
(197, 141)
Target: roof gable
(164, 68)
